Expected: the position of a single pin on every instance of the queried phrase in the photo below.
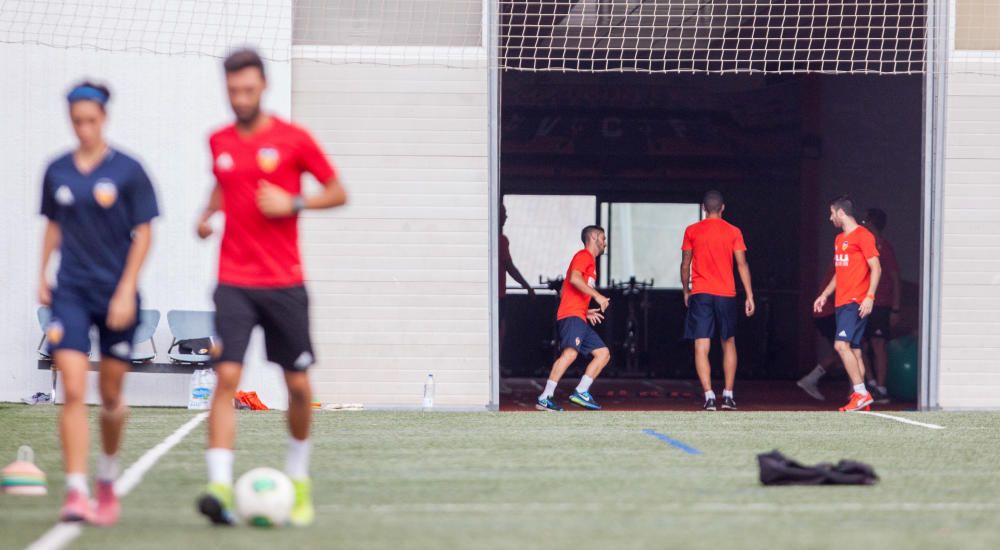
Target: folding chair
(149, 320)
(190, 325)
(44, 316)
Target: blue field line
(669, 440)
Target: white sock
(860, 388)
(297, 459)
(107, 467)
(727, 393)
(550, 390)
(584, 384)
(709, 395)
(220, 465)
(77, 482)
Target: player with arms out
(576, 336)
(99, 203)
(258, 166)
(857, 275)
(708, 250)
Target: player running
(258, 164)
(576, 337)
(858, 271)
(710, 293)
(99, 204)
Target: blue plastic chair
(44, 316)
(149, 320)
(189, 325)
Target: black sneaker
(879, 394)
(728, 403)
(709, 404)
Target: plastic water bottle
(429, 393)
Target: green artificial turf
(573, 480)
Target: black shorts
(708, 315)
(850, 325)
(878, 323)
(577, 334)
(283, 313)
(826, 326)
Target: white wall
(162, 111)
(970, 310)
(399, 278)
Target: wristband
(298, 204)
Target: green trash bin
(902, 382)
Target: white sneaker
(808, 385)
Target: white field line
(62, 534)
(734, 507)
(903, 420)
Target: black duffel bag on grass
(778, 469)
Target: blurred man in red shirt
(708, 249)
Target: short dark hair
(844, 203)
(877, 218)
(713, 202)
(244, 59)
(588, 231)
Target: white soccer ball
(264, 497)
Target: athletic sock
(709, 395)
(77, 482)
(727, 393)
(860, 388)
(107, 467)
(815, 374)
(550, 390)
(297, 459)
(584, 385)
(220, 465)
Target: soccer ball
(264, 497)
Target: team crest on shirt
(105, 192)
(268, 159)
(64, 196)
(224, 162)
(54, 332)
(844, 246)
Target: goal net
(656, 36)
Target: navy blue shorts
(850, 327)
(577, 334)
(74, 311)
(708, 314)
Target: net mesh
(718, 36)
(659, 36)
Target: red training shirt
(851, 252)
(258, 251)
(573, 302)
(712, 242)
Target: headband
(87, 93)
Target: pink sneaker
(76, 507)
(108, 510)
